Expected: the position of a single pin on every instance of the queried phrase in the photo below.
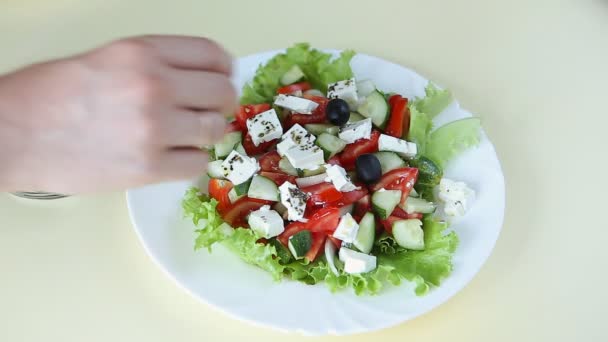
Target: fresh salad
(322, 177)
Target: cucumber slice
(223, 148)
(317, 129)
(242, 188)
(308, 173)
(283, 253)
(292, 75)
(330, 256)
(428, 172)
(376, 108)
(286, 167)
(233, 196)
(354, 117)
(366, 234)
(215, 169)
(263, 188)
(331, 145)
(409, 234)
(384, 202)
(281, 209)
(240, 149)
(299, 244)
(414, 193)
(389, 161)
(365, 87)
(311, 180)
(417, 205)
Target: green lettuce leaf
(244, 243)
(452, 139)
(434, 102)
(318, 67)
(420, 128)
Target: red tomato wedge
(292, 88)
(359, 147)
(278, 177)
(291, 229)
(337, 242)
(322, 193)
(270, 161)
(318, 242)
(388, 223)
(219, 189)
(253, 150)
(317, 116)
(393, 99)
(335, 160)
(400, 115)
(233, 126)
(324, 220)
(351, 197)
(404, 215)
(399, 179)
(236, 214)
(245, 112)
(362, 206)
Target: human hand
(133, 112)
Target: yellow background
(534, 71)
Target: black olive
(368, 168)
(337, 112)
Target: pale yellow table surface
(534, 71)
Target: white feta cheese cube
(296, 104)
(265, 222)
(264, 127)
(455, 197)
(357, 130)
(238, 168)
(338, 177)
(347, 229)
(356, 262)
(400, 146)
(345, 90)
(295, 136)
(294, 200)
(307, 157)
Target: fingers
(202, 90)
(191, 53)
(182, 164)
(187, 128)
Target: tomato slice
(322, 193)
(404, 215)
(253, 150)
(317, 116)
(337, 242)
(233, 126)
(236, 214)
(290, 230)
(318, 242)
(245, 112)
(351, 197)
(399, 116)
(388, 223)
(279, 177)
(270, 161)
(335, 160)
(393, 99)
(399, 179)
(362, 206)
(359, 147)
(292, 88)
(219, 189)
(324, 220)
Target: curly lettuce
(319, 69)
(434, 101)
(452, 139)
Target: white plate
(223, 281)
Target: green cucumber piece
(223, 148)
(308, 173)
(331, 145)
(409, 234)
(263, 188)
(354, 117)
(240, 149)
(233, 196)
(283, 253)
(428, 172)
(384, 202)
(366, 234)
(376, 108)
(418, 205)
(318, 129)
(286, 167)
(389, 161)
(300, 243)
(215, 169)
(292, 75)
(242, 188)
